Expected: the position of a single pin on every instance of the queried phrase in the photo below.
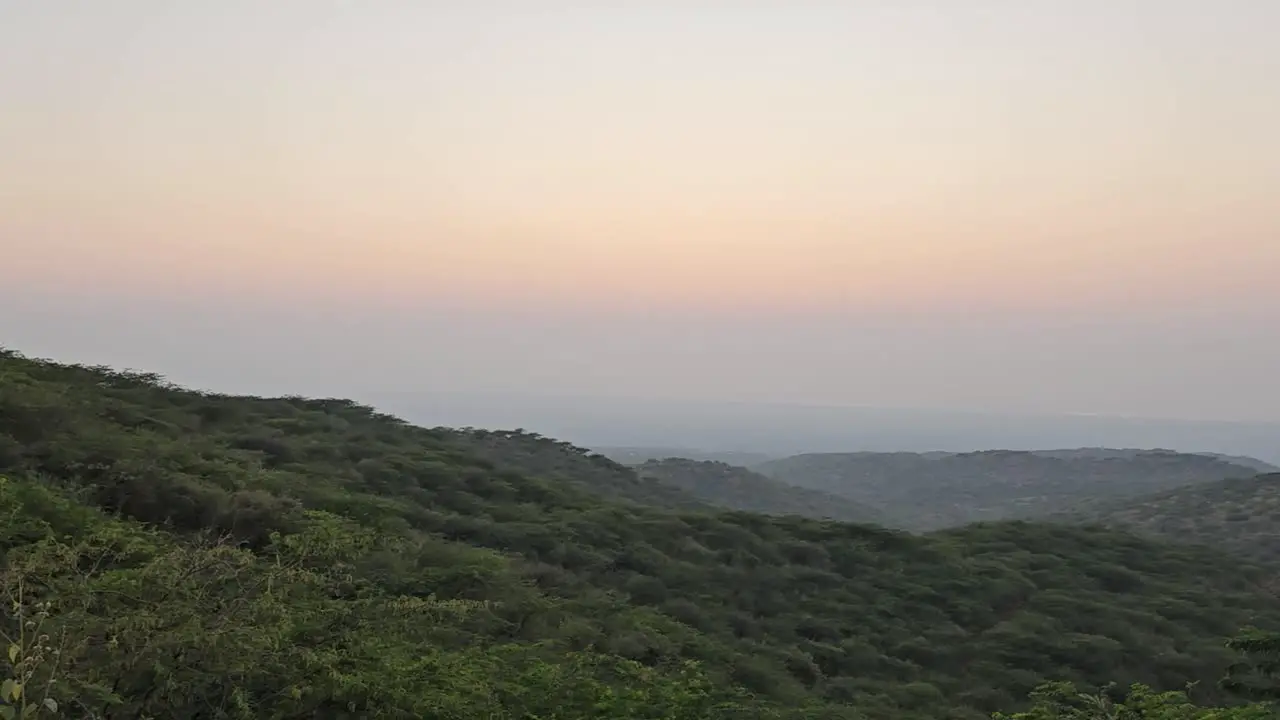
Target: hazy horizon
(1044, 208)
(779, 429)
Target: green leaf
(7, 690)
(51, 704)
(14, 650)
(7, 712)
(29, 710)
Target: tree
(1255, 675)
(1063, 701)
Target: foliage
(927, 491)
(582, 469)
(129, 622)
(1063, 701)
(1241, 516)
(738, 488)
(1255, 675)
(203, 555)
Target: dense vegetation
(926, 491)
(738, 488)
(169, 553)
(565, 464)
(1241, 516)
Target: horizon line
(542, 395)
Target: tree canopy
(173, 553)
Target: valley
(191, 550)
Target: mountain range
(937, 490)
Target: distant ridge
(1256, 464)
(639, 455)
(927, 491)
(780, 430)
(1100, 452)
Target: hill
(641, 455)
(1249, 462)
(780, 430)
(586, 470)
(937, 490)
(738, 488)
(200, 555)
(1240, 515)
(1245, 462)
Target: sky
(1061, 206)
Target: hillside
(545, 458)
(1239, 515)
(1261, 467)
(641, 455)
(738, 488)
(203, 555)
(1131, 453)
(937, 490)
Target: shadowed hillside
(937, 490)
(1248, 463)
(204, 555)
(738, 488)
(1241, 515)
(593, 472)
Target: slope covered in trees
(1102, 453)
(200, 555)
(106, 618)
(1240, 515)
(558, 461)
(738, 488)
(937, 490)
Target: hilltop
(641, 455)
(738, 488)
(587, 470)
(1240, 515)
(926, 491)
(196, 554)
(1247, 463)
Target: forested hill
(738, 488)
(1101, 453)
(937, 490)
(1262, 468)
(1240, 515)
(546, 458)
(206, 556)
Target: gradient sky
(1049, 205)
